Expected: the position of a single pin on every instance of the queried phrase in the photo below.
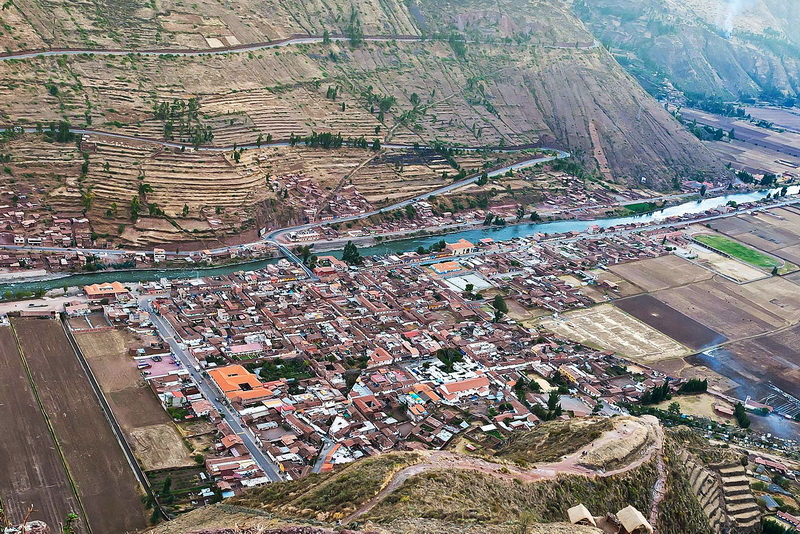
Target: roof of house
(580, 513)
(461, 244)
(104, 288)
(237, 382)
(632, 519)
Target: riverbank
(404, 243)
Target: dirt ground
(669, 321)
(774, 358)
(607, 327)
(151, 433)
(31, 472)
(735, 310)
(698, 405)
(661, 273)
(775, 231)
(733, 269)
(105, 481)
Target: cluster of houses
(367, 360)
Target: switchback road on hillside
(273, 236)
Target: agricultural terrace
(744, 253)
(104, 479)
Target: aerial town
(300, 370)
(400, 267)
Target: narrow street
(269, 466)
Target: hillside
(530, 74)
(714, 47)
(500, 490)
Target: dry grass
(331, 495)
(551, 440)
(467, 496)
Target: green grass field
(745, 253)
(644, 207)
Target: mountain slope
(716, 47)
(535, 77)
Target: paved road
(272, 237)
(253, 47)
(327, 447)
(270, 467)
(560, 154)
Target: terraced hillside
(719, 482)
(528, 74)
(716, 47)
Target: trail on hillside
(570, 465)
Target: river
(399, 246)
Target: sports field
(744, 253)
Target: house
(240, 385)
(246, 351)
(463, 388)
(633, 522)
(159, 255)
(580, 515)
(112, 291)
(446, 267)
(460, 247)
(378, 357)
(76, 309)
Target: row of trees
(657, 394)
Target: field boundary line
(112, 421)
(52, 430)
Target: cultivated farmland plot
(32, 473)
(105, 482)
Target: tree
(703, 190)
(353, 30)
(741, 415)
(69, 523)
(500, 307)
(145, 188)
(135, 208)
(326, 37)
(484, 179)
(376, 144)
(185, 210)
(350, 255)
(694, 385)
(732, 134)
(449, 356)
(674, 408)
(775, 271)
(554, 405)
